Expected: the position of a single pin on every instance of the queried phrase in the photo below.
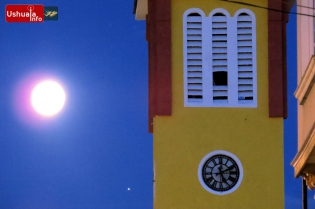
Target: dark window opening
(220, 98)
(220, 78)
(194, 14)
(218, 14)
(194, 96)
(243, 14)
(245, 98)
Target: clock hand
(224, 171)
(228, 169)
(223, 179)
(220, 171)
(217, 173)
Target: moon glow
(48, 98)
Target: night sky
(97, 153)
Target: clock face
(220, 173)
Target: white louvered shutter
(219, 58)
(245, 58)
(194, 58)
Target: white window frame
(207, 87)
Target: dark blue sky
(98, 147)
(293, 187)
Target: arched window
(193, 65)
(219, 59)
(245, 58)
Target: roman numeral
(210, 179)
(210, 166)
(214, 162)
(233, 172)
(231, 167)
(215, 184)
(231, 178)
(207, 173)
(220, 159)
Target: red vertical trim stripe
(277, 69)
(160, 59)
(284, 66)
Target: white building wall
(305, 47)
(305, 32)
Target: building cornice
(140, 9)
(307, 82)
(300, 159)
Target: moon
(48, 98)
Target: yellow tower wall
(183, 139)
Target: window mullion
(232, 62)
(207, 61)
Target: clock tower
(217, 99)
